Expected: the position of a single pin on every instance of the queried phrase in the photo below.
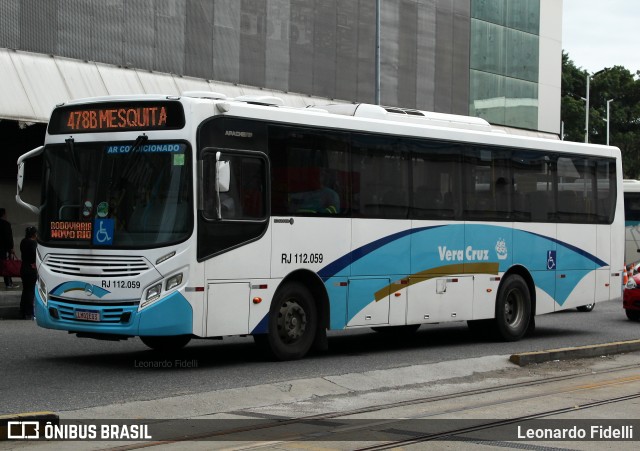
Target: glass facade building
(505, 62)
(496, 59)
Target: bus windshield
(116, 195)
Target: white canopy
(32, 84)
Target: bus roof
(631, 186)
(367, 118)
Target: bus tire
(586, 308)
(293, 320)
(170, 343)
(513, 309)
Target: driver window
(245, 198)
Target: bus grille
(107, 315)
(92, 266)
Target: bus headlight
(173, 282)
(42, 290)
(153, 294)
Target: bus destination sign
(110, 117)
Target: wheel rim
(514, 308)
(292, 321)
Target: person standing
(28, 271)
(6, 243)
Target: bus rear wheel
(513, 309)
(169, 343)
(293, 322)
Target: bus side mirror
(20, 181)
(223, 181)
(20, 177)
(223, 174)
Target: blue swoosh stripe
(577, 250)
(338, 265)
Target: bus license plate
(88, 315)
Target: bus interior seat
(520, 207)
(428, 198)
(479, 203)
(568, 202)
(253, 203)
(427, 202)
(345, 179)
(448, 204)
(394, 205)
(540, 205)
(287, 182)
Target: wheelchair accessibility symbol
(103, 232)
(551, 260)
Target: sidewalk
(10, 301)
(383, 405)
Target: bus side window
(309, 172)
(382, 171)
(314, 194)
(533, 187)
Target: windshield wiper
(129, 166)
(140, 140)
(72, 152)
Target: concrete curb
(296, 392)
(580, 352)
(30, 418)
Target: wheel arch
(319, 292)
(526, 275)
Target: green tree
(616, 83)
(574, 89)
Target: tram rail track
(494, 424)
(226, 434)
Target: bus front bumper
(172, 315)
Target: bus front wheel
(167, 343)
(513, 308)
(293, 322)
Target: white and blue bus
(170, 218)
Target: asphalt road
(51, 370)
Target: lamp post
(586, 112)
(377, 55)
(608, 110)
